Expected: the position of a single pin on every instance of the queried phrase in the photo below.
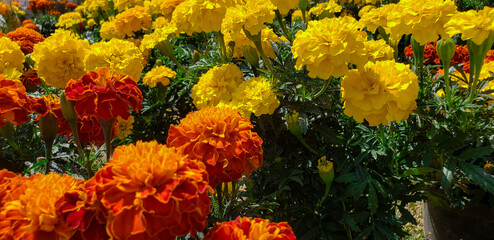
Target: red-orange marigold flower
(70, 5)
(26, 38)
(30, 77)
(50, 104)
(90, 130)
(222, 139)
(14, 106)
(104, 94)
(160, 196)
(8, 182)
(249, 229)
(30, 212)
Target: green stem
(221, 40)
(324, 88)
(302, 140)
(6, 132)
(447, 87)
(256, 39)
(326, 193)
(48, 154)
(107, 131)
(279, 17)
(219, 194)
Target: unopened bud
(251, 55)
(196, 56)
(445, 48)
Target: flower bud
(445, 48)
(293, 124)
(68, 109)
(251, 55)
(166, 49)
(326, 170)
(48, 126)
(196, 56)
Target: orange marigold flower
(26, 38)
(50, 104)
(8, 181)
(70, 5)
(54, 13)
(244, 228)
(90, 130)
(222, 139)
(28, 23)
(161, 196)
(39, 5)
(104, 94)
(30, 77)
(15, 106)
(31, 212)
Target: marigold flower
(8, 182)
(108, 31)
(120, 56)
(124, 127)
(161, 196)
(257, 96)
(284, 6)
(31, 212)
(4, 8)
(267, 35)
(379, 50)
(92, 6)
(328, 45)
(159, 35)
(161, 74)
(30, 77)
(70, 5)
(325, 8)
(50, 104)
(68, 19)
(104, 94)
(60, 58)
(54, 13)
(473, 25)
(217, 85)
(250, 16)
(11, 55)
(28, 23)
(26, 38)
(15, 106)
(132, 20)
(376, 17)
(122, 5)
(222, 139)
(244, 228)
(381, 92)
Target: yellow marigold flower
(489, 166)
(92, 6)
(31, 211)
(161, 74)
(358, 2)
(60, 58)
(120, 56)
(11, 55)
(168, 6)
(267, 35)
(132, 20)
(4, 8)
(161, 34)
(473, 25)
(200, 15)
(378, 50)
(284, 6)
(487, 68)
(328, 45)
(66, 20)
(122, 5)
(373, 18)
(109, 31)
(381, 92)
(251, 16)
(324, 166)
(257, 96)
(124, 127)
(217, 85)
(325, 8)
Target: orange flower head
(31, 212)
(30, 77)
(248, 229)
(104, 94)
(8, 182)
(15, 106)
(26, 38)
(50, 104)
(160, 196)
(222, 139)
(70, 5)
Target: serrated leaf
(350, 222)
(474, 153)
(372, 199)
(479, 176)
(418, 171)
(449, 170)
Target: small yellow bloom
(257, 96)
(379, 50)
(66, 20)
(160, 74)
(11, 56)
(124, 127)
(132, 20)
(473, 25)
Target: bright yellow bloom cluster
(11, 56)
(160, 74)
(381, 92)
(217, 85)
(4, 8)
(68, 19)
(108, 31)
(376, 17)
(379, 50)
(473, 25)
(60, 58)
(358, 2)
(120, 56)
(250, 16)
(484, 75)
(168, 6)
(132, 20)
(161, 34)
(122, 5)
(328, 45)
(284, 6)
(325, 8)
(92, 6)
(257, 96)
(267, 35)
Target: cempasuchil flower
(15, 106)
(381, 92)
(11, 56)
(284, 6)
(250, 15)
(378, 50)
(50, 104)
(132, 20)
(220, 138)
(473, 25)
(257, 96)
(244, 228)
(26, 38)
(160, 74)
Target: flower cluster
(381, 92)
(244, 228)
(220, 138)
(66, 20)
(249, 16)
(473, 25)
(256, 96)
(15, 106)
(11, 56)
(160, 74)
(25, 38)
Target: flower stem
(287, 34)
(324, 88)
(256, 39)
(219, 194)
(6, 132)
(48, 154)
(107, 131)
(221, 40)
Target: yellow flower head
(257, 96)
(4, 8)
(251, 16)
(122, 5)
(473, 25)
(68, 19)
(217, 85)
(160, 34)
(489, 166)
(325, 8)
(284, 6)
(160, 74)
(132, 20)
(378, 50)
(11, 56)
(328, 45)
(124, 127)
(120, 56)
(376, 17)
(381, 92)
(92, 6)
(108, 31)
(267, 35)
(60, 58)
(168, 6)
(324, 166)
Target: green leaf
(428, 155)
(474, 153)
(479, 176)
(350, 222)
(35, 165)
(346, 178)
(418, 171)
(449, 170)
(372, 199)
